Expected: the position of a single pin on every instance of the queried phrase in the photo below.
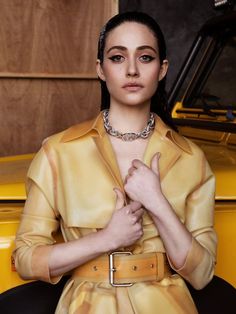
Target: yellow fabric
(70, 184)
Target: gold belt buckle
(112, 270)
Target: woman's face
(131, 66)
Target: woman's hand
(125, 226)
(143, 183)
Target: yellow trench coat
(70, 185)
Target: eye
(116, 58)
(146, 58)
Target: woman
(127, 182)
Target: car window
(215, 88)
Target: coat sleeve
(38, 225)
(199, 265)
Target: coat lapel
(169, 153)
(167, 142)
(107, 154)
(96, 129)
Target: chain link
(130, 136)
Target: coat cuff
(198, 268)
(193, 259)
(40, 264)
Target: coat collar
(170, 144)
(95, 128)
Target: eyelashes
(116, 58)
(147, 58)
(119, 58)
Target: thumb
(120, 199)
(155, 163)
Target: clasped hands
(142, 185)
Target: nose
(132, 68)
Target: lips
(132, 87)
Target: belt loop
(160, 266)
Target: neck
(129, 119)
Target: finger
(139, 214)
(126, 179)
(134, 206)
(155, 163)
(139, 228)
(140, 221)
(136, 163)
(131, 171)
(128, 211)
(120, 199)
(131, 208)
(136, 217)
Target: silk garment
(80, 162)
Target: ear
(163, 69)
(99, 70)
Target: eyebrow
(138, 48)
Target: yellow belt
(124, 268)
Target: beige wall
(47, 68)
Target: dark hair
(159, 99)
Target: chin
(134, 102)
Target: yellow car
(203, 102)
(12, 197)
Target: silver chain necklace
(130, 136)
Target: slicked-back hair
(159, 99)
